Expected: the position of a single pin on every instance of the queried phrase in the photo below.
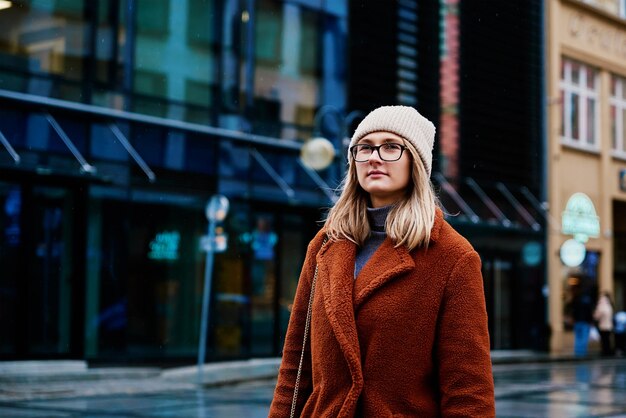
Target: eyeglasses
(387, 152)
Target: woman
(604, 315)
(398, 324)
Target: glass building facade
(119, 119)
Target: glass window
(291, 69)
(580, 110)
(150, 83)
(172, 52)
(298, 55)
(309, 44)
(618, 116)
(575, 71)
(50, 267)
(144, 283)
(614, 127)
(292, 257)
(269, 28)
(199, 13)
(619, 144)
(110, 77)
(563, 105)
(574, 120)
(11, 238)
(263, 240)
(153, 16)
(40, 39)
(591, 121)
(245, 285)
(110, 43)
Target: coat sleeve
(464, 359)
(292, 349)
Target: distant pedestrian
(603, 314)
(620, 332)
(398, 324)
(582, 312)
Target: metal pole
(133, 153)
(208, 272)
(9, 148)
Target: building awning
(284, 185)
(286, 182)
(269, 168)
(84, 165)
(132, 152)
(491, 204)
(264, 173)
(66, 139)
(7, 145)
(117, 133)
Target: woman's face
(385, 181)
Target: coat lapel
(385, 264)
(388, 263)
(336, 280)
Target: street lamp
(215, 211)
(318, 153)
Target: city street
(579, 389)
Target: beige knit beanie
(404, 121)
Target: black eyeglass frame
(353, 151)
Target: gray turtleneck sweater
(377, 218)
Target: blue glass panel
(104, 144)
(12, 125)
(149, 141)
(235, 160)
(76, 130)
(200, 154)
(39, 134)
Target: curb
(214, 374)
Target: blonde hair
(408, 223)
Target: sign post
(216, 210)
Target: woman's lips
(376, 173)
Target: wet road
(589, 389)
(592, 389)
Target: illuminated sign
(579, 218)
(572, 253)
(165, 246)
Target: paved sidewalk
(593, 388)
(36, 380)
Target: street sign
(572, 253)
(579, 218)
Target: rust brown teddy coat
(407, 338)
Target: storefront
(586, 80)
(118, 121)
(506, 225)
(107, 265)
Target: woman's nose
(375, 155)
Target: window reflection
(43, 38)
(10, 240)
(287, 77)
(263, 240)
